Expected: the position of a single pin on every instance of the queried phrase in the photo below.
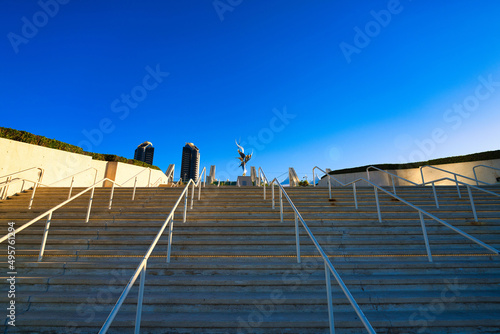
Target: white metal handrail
(36, 184)
(51, 211)
(262, 177)
(485, 166)
(22, 171)
(468, 186)
(392, 177)
(328, 265)
(73, 179)
(421, 213)
(157, 183)
(141, 268)
(8, 181)
(135, 182)
(204, 173)
(447, 171)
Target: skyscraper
(144, 152)
(190, 162)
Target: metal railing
(262, 178)
(135, 180)
(9, 181)
(468, 186)
(157, 182)
(485, 166)
(73, 179)
(49, 213)
(391, 175)
(328, 265)
(421, 213)
(455, 175)
(141, 268)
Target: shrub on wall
(29, 138)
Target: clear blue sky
(330, 83)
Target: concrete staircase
(233, 267)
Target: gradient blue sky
(233, 68)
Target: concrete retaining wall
(464, 168)
(58, 165)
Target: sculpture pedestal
(244, 181)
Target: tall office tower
(190, 162)
(145, 152)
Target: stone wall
(59, 165)
(464, 168)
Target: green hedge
(461, 158)
(30, 138)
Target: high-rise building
(190, 162)
(145, 152)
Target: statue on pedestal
(243, 158)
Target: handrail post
(272, 194)
(314, 179)
(393, 185)
(149, 178)
(355, 195)
(435, 195)
(458, 188)
(297, 237)
(329, 187)
(140, 298)
(7, 187)
(22, 186)
(111, 196)
(133, 192)
(475, 176)
(472, 203)
(32, 196)
(192, 195)
(329, 298)
(71, 187)
(185, 204)
(170, 232)
(45, 235)
(426, 239)
(199, 191)
(90, 205)
(281, 205)
(264, 187)
(378, 205)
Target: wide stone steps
(233, 267)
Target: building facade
(145, 152)
(190, 162)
